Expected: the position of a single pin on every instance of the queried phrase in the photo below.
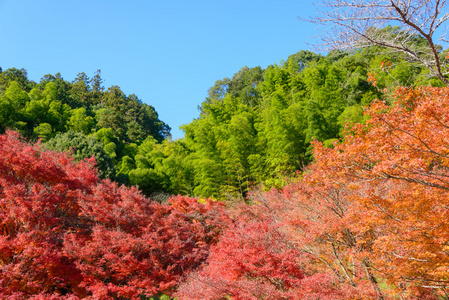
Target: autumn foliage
(367, 220)
(65, 234)
(292, 244)
(397, 168)
(393, 172)
(261, 258)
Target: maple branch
(388, 214)
(307, 250)
(372, 279)
(410, 258)
(415, 137)
(386, 175)
(345, 271)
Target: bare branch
(406, 26)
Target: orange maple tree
(396, 166)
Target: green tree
(84, 147)
(18, 75)
(11, 106)
(80, 93)
(43, 131)
(80, 122)
(45, 108)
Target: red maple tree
(271, 253)
(66, 235)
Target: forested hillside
(257, 127)
(79, 115)
(254, 129)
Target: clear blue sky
(168, 52)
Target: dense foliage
(255, 128)
(78, 116)
(368, 220)
(66, 235)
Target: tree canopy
(65, 234)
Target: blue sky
(168, 52)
